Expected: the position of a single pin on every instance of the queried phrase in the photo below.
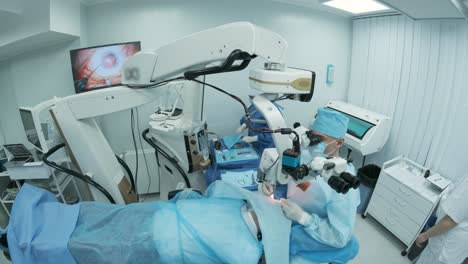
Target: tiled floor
(377, 245)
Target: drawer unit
(402, 200)
(405, 193)
(391, 222)
(402, 205)
(391, 211)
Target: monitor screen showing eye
(100, 67)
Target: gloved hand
(241, 128)
(295, 213)
(250, 139)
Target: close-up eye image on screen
(100, 67)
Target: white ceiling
(416, 9)
(425, 9)
(314, 4)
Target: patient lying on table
(220, 227)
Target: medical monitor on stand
(100, 67)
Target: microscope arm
(206, 52)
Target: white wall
(315, 40)
(35, 18)
(415, 72)
(34, 77)
(64, 16)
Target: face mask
(308, 154)
(319, 149)
(333, 150)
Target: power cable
(78, 175)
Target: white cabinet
(403, 200)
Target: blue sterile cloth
(231, 140)
(333, 218)
(302, 243)
(274, 225)
(40, 227)
(241, 153)
(188, 229)
(243, 178)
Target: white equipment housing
(75, 116)
(207, 47)
(317, 165)
(367, 131)
(288, 81)
(184, 139)
(270, 165)
(274, 120)
(39, 128)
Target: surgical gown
(333, 216)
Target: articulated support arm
(196, 54)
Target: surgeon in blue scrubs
(323, 219)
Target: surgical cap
(330, 123)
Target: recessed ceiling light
(356, 6)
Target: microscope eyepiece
(352, 180)
(339, 185)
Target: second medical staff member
(318, 211)
(448, 239)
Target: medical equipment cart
(403, 200)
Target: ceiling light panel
(357, 6)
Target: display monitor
(30, 127)
(100, 67)
(357, 127)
